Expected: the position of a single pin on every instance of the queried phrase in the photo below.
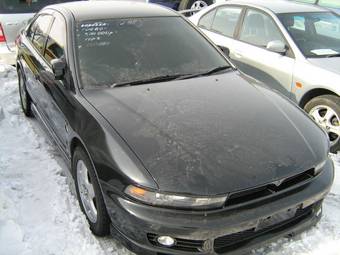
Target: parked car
(169, 145)
(14, 15)
(333, 5)
(292, 47)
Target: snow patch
(38, 212)
(11, 235)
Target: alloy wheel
(327, 118)
(86, 191)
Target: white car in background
(292, 47)
(14, 15)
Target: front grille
(261, 192)
(181, 244)
(233, 241)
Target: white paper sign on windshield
(321, 52)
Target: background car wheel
(25, 99)
(89, 193)
(325, 110)
(194, 4)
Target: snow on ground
(39, 213)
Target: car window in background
(207, 20)
(226, 19)
(329, 3)
(26, 6)
(56, 39)
(320, 36)
(124, 50)
(328, 26)
(299, 23)
(39, 38)
(259, 29)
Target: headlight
(174, 200)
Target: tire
(187, 4)
(325, 110)
(25, 99)
(99, 223)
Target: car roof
(92, 10)
(279, 6)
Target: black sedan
(171, 148)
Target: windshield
(122, 50)
(317, 34)
(26, 6)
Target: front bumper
(7, 56)
(219, 231)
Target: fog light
(166, 241)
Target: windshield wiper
(169, 77)
(160, 78)
(333, 55)
(206, 73)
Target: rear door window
(40, 34)
(259, 29)
(26, 6)
(31, 29)
(226, 19)
(56, 39)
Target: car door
(220, 25)
(33, 62)
(250, 53)
(56, 92)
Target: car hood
(329, 64)
(211, 135)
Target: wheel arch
(77, 142)
(314, 93)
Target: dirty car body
(191, 137)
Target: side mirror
(225, 50)
(58, 68)
(277, 46)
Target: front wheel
(89, 193)
(194, 4)
(325, 110)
